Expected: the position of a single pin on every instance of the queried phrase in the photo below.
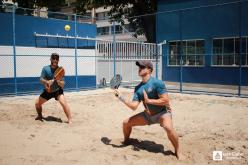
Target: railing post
(75, 33)
(180, 50)
(240, 49)
(14, 47)
(114, 48)
(157, 60)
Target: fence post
(157, 60)
(180, 50)
(14, 47)
(240, 49)
(75, 33)
(96, 61)
(114, 48)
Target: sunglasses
(55, 58)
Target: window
(192, 53)
(128, 28)
(102, 16)
(103, 30)
(244, 51)
(118, 29)
(226, 51)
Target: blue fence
(23, 53)
(206, 48)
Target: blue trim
(32, 84)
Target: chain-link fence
(32, 36)
(28, 40)
(206, 50)
(200, 48)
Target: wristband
(121, 99)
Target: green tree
(127, 9)
(54, 5)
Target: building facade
(104, 26)
(210, 38)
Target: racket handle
(121, 99)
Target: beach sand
(204, 124)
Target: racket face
(115, 82)
(59, 73)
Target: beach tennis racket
(115, 82)
(58, 75)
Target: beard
(54, 64)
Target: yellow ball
(67, 27)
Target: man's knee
(126, 123)
(37, 104)
(168, 127)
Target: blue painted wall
(32, 84)
(188, 19)
(26, 26)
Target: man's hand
(49, 82)
(117, 93)
(168, 107)
(146, 99)
(61, 83)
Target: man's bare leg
(65, 107)
(136, 120)
(166, 123)
(38, 107)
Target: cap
(145, 63)
(54, 55)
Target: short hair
(55, 55)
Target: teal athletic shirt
(48, 74)
(153, 88)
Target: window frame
(186, 55)
(234, 51)
(105, 32)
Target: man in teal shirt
(47, 79)
(152, 92)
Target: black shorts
(55, 94)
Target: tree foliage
(129, 10)
(54, 5)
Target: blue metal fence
(211, 34)
(23, 53)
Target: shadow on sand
(138, 145)
(52, 119)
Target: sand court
(204, 124)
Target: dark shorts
(55, 94)
(154, 118)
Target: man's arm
(161, 101)
(61, 83)
(46, 82)
(131, 104)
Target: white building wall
(30, 60)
